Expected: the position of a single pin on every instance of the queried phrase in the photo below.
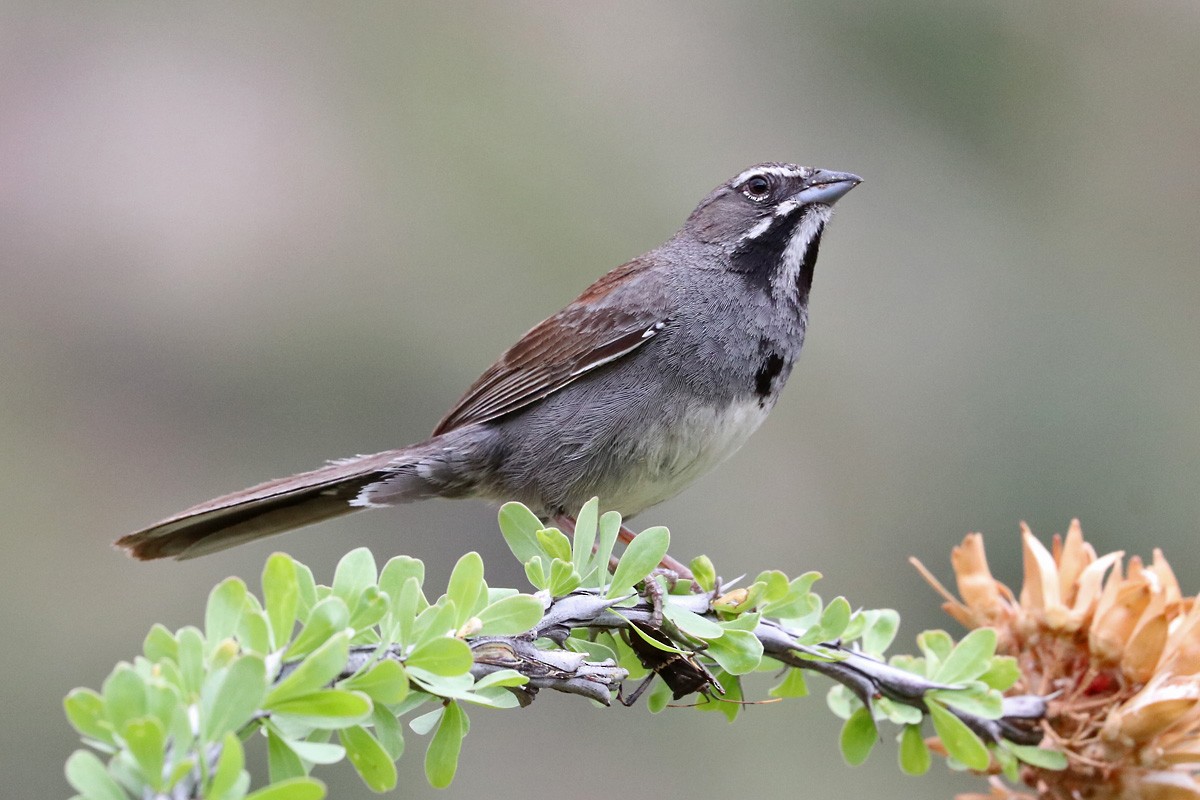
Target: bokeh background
(236, 240)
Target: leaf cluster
(319, 673)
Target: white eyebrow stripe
(781, 171)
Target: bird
(650, 378)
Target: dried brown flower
(1115, 643)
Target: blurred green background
(237, 240)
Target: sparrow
(654, 375)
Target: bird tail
(284, 504)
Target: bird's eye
(757, 187)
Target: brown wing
(582, 337)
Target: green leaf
(230, 696)
(441, 759)
(610, 526)
(595, 651)
(160, 644)
(960, 741)
(936, 645)
(86, 713)
(385, 683)
(87, 775)
(690, 622)
(655, 643)
(317, 752)
(502, 678)
(978, 701)
(835, 619)
(1038, 756)
(404, 608)
(427, 722)
(306, 590)
(254, 631)
(1009, 766)
(371, 607)
(898, 713)
(563, 578)
(355, 572)
(396, 573)
(435, 622)
(515, 614)
(520, 526)
(794, 601)
(1002, 673)
(191, 660)
(463, 589)
(704, 573)
(442, 656)
(182, 768)
(327, 708)
(792, 685)
(226, 603)
(230, 768)
(369, 757)
(327, 617)
(643, 554)
(388, 731)
(728, 703)
(281, 595)
(841, 701)
(914, 754)
(292, 789)
(317, 670)
(970, 659)
(776, 585)
(660, 696)
(554, 544)
(881, 631)
(585, 535)
(858, 737)
(535, 572)
(738, 652)
(856, 628)
(282, 762)
(124, 696)
(145, 740)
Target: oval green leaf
(511, 615)
(959, 740)
(914, 754)
(858, 737)
(317, 670)
(441, 759)
(291, 789)
(643, 554)
(369, 758)
(443, 656)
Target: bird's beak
(827, 187)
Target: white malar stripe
(786, 207)
(797, 246)
(783, 171)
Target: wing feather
(582, 337)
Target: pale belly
(669, 461)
